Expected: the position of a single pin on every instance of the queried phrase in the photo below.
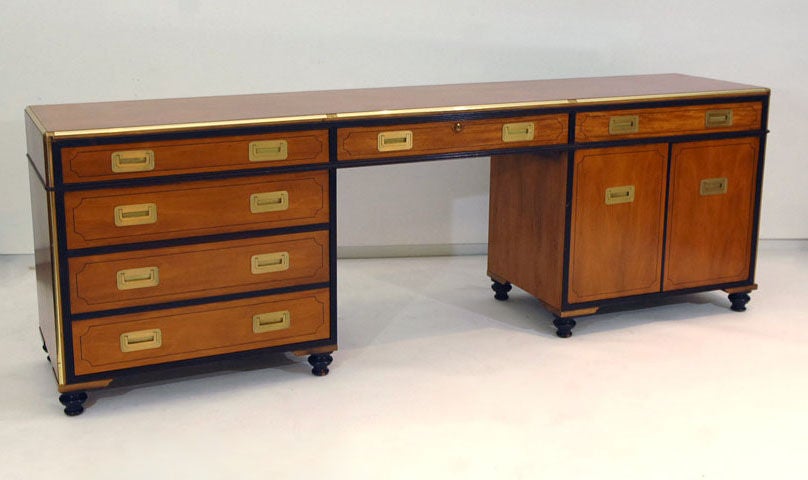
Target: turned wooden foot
(501, 290)
(564, 326)
(320, 363)
(73, 402)
(739, 301)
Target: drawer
(147, 338)
(669, 121)
(195, 155)
(361, 143)
(143, 277)
(125, 215)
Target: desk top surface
(135, 116)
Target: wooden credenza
(184, 230)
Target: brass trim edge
(186, 126)
(749, 91)
(57, 292)
(394, 112)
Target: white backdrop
(79, 51)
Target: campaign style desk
(169, 231)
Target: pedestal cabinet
(647, 207)
(175, 231)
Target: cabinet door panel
(616, 242)
(711, 212)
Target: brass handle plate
(141, 340)
(269, 201)
(518, 132)
(269, 322)
(624, 194)
(133, 278)
(395, 141)
(140, 214)
(713, 186)
(718, 118)
(623, 124)
(269, 262)
(132, 161)
(269, 150)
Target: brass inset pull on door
(138, 278)
(518, 132)
(718, 118)
(268, 322)
(132, 161)
(393, 141)
(140, 214)
(141, 340)
(269, 262)
(269, 201)
(269, 150)
(713, 186)
(623, 124)
(623, 194)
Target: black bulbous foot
(73, 402)
(320, 363)
(739, 301)
(501, 290)
(44, 347)
(564, 326)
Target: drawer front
(654, 122)
(116, 216)
(148, 338)
(361, 143)
(212, 154)
(118, 280)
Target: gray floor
(436, 379)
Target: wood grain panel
(616, 250)
(526, 223)
(194, 208)
(196, 271)
(710, 236)
(361, 143)
(197, 155)
(594, 126)
(199, 331)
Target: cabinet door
(617, 220)
(710, 212)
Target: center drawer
(144, 277)
(147, 338)
(125, 215)
(364, 143)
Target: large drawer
(361, 143)
(667, 121)
(143, 277)
(194, 155)
(139, 214)
(147, 338)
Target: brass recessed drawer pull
(132, 161)
(269, 262)
(518, 132)
(138, 278)
(392, 141)
(140, 214)
(141, 340)
(624, 124)
(713, 186)
(269, 201)
(269, 150)
(718, 118)
(624, 194)
(268, 322)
